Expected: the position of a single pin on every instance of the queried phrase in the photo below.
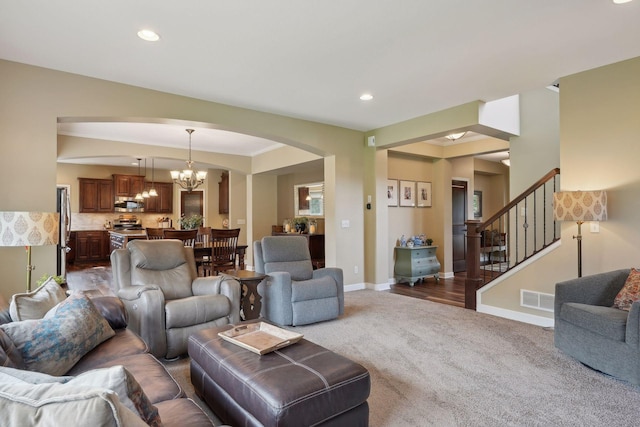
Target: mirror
(309, 199)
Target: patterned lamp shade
(580, 206)
(28, 228)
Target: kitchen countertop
(129, 233)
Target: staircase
(514, 234)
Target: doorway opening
(459, 228)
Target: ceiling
(313, 59)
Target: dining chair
(155, 233)
(188, 237)
(203, 239)
(224, 243)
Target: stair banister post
(473, 281)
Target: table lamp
(580, 206)
(29, 229)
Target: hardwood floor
(445, 291)
(96, 277)
(90, 277)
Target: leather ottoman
(303, 384)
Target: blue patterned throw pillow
(67, 332)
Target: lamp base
(30, 268)
(579, 239)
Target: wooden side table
(250, 300)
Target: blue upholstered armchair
(589, 329)
(294, 293)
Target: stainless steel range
(127, 222)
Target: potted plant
(190, 222)
(300, 223)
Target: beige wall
(411, 221)
(598, 149)
(598, 127)
(34, 98)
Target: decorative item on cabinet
(286, 225)
(300, 224)
(223, 193)
(313, 226)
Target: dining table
(202, 249)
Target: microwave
(127, 204)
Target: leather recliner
(165, 300)
(293, 292)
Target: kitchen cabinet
(91, 245)
(128, 185)
(71, 244)
(223, 193)
(416, 263)
(95, 195)
(163, 202)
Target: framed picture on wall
(392, 192)
(407, 193)
(423, 194)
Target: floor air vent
(537, 300)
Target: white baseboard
(355, 287)
(532, 319)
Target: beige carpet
(438, 365)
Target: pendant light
(152, 190)
(145, 193)
(139, 195)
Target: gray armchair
(589, 329)
(294, 293)
(165, 300)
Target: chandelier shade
(189, 178)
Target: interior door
(191, 203)
(459, 232)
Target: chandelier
(189, 178)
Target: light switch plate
(594, 226)
(345, 223)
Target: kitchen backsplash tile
(83, 221)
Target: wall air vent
(537, 300)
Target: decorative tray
(260, 337)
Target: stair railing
(515, 233)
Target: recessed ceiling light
(455, 136)
(366, 97)
(148, 35)
(621, 1)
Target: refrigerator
(63, 207)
